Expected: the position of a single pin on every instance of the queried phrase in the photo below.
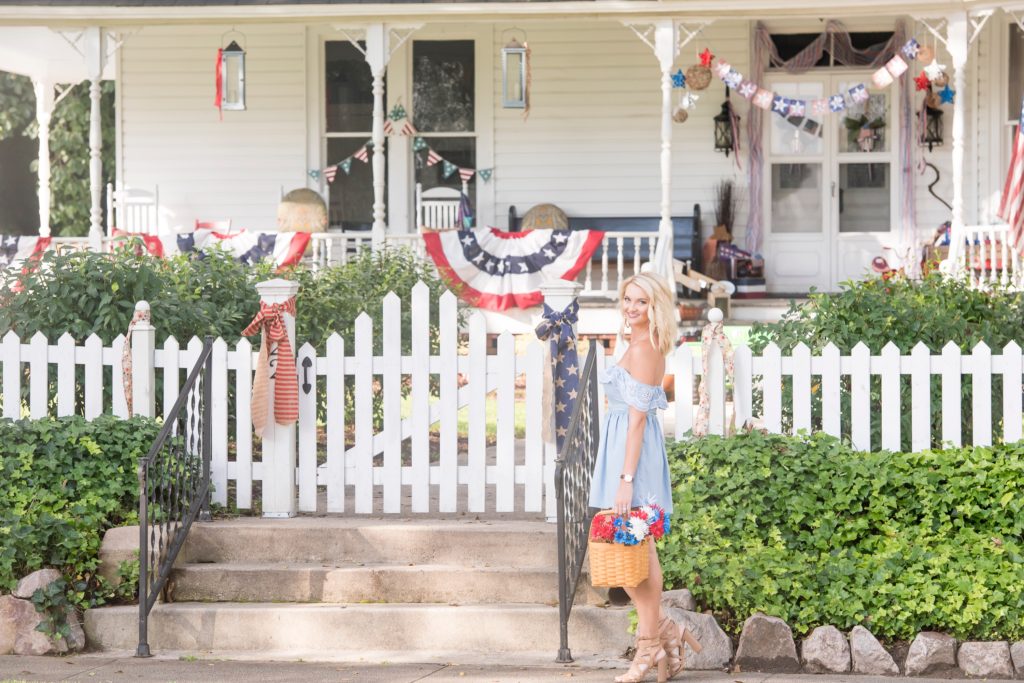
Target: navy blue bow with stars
(558, 328)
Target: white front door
(829, 184)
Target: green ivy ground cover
(63, 483)
(809, 530)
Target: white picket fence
(345, 465)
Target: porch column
(44, 112)
(958, 45)
(95, 59)
(377, 57)
(665, 49)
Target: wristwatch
(628, 478)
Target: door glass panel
(796, 198)
(443, 78)
(797, 135)
(864, 192)
(348, 87)
(864, 127)
(350, 204)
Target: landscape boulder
(1017, 655)
(34, 581)
(680, 599)
(986, 660)
(716, 646)
(868, 656)
(766, 644)
(825, 650)
(931, 652)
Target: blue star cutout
(946, 95)
(678, 79)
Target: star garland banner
(933, 73)
(447, 167)
(498, 270)
(331, 172)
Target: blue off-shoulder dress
(652, 483)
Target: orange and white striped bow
(270, 321)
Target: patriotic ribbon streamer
(270, 321)
(126, 358)
(556, 327)
(713, 332)
(218, 97)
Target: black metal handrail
(174, 486)
(574, 470)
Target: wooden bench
(685, 242)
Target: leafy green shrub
(935, 310)
(63, 483)
(811, 531)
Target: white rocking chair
(437, 208)
(133, 210)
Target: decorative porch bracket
(666, 37)
(381, 43)
(953, 32)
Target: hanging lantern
(513, 75)
(232, 77)
(726, 122)
(932, 133)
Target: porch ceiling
(42, 54)
(121, 12)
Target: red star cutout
(706, 57)
(922, 81)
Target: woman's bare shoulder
(646, 365)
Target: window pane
(459, 151)
(351, 196)
(796, 198)
(797, 135)
(1016, 91)
(443, 94)
(864, 194)
(864, 127)
(349, 89)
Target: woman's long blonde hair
(660, 309)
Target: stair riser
(371, 545)
(335, 630)
(224, 583)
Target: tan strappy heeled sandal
(649, 657)
(672, 636)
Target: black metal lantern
(726, 123)
(931, 134)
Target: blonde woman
(632, 466)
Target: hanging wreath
(863, 132)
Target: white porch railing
(432, 451)
(987, 257)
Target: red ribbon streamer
(218, 99)
(270, 321)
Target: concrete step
(349, 629)
(346, 540)
(289, 582)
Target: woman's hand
(623, 498)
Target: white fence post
(558, 294)
(143, 364)
(278, 440)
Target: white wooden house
(598, 138)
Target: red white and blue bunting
(283, 248)
(497, 270)
(16, 249)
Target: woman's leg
(647, 597)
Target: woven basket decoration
(698, 77)
(302, 210)
(615, 564)
(545, 217)
(680, 115)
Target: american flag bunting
(1011, 206)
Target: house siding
(207, 168)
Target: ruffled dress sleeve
(645, 397)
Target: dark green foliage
(811, 531)
(69, 145)
(63, 483)
(935, 310)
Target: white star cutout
(934, 70)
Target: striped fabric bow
(557, 326)
(270, 321)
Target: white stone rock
(34, 581)
(716, 646)
(766, 644)
(825, 650)
(868, 656)
(1017, 655)
(8, 612)
(986, 660)
(680, 599)
(931, 652)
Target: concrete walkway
(103, 668)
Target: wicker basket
(614, 564)
(698, 77)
